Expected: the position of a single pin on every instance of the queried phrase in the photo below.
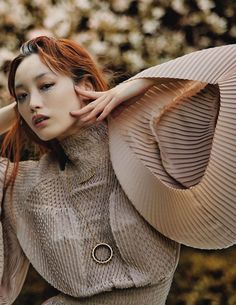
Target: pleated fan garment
(173, 150)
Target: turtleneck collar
(85, 149)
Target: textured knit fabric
(57, 217)
(153, 295)
(177, 145)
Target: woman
(85, 231)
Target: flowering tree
(127, 35)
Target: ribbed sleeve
(174, 150)
(2, 174)
(13, 263)
(209, 65)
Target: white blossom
(162, 42)
(83, 5)
(205, 5)
(18, 15)
(158, 12)
(135, 38)
(98, 47)
(103, 20)
(218, 24)
(4, 7)
(63, 28)
(194, 19)
(41, 4)
(85, 38)
(120, 5)
(38, 32)
(145, 7)
(116, 38)
(125, 23)
(134, 59)
(150, 26)
(55, 15)
(179, 6)
(5, 55)
(233, 31)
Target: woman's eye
(45, 87)
(21, 97)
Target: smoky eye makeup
(21, 97)
(46, 86)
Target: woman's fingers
(103, 103)
(102, 107)
(97, 110)
(89, 94)
(102, 100)
(84, 123)
(89, 107)
(82, 111)
(107, 109)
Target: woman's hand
(113, 100)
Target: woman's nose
(35, 101)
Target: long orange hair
(65, 57)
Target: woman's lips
(39, 120)
(42, 123)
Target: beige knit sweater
(57, 217)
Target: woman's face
(45, 99)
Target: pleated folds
(174, 150)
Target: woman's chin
(61, 134)
(46, 138)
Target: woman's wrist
(149, 82)
(7, 115)
(142, 84)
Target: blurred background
(126, 36)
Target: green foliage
(205, 278)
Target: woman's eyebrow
(17, 86)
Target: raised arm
(7, 115)
(113, 100)
(174, 150)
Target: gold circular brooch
(95, 252)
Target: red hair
(65, 57)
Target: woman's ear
(85, 84)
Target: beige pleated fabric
(174, 150)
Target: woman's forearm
(7, 115)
